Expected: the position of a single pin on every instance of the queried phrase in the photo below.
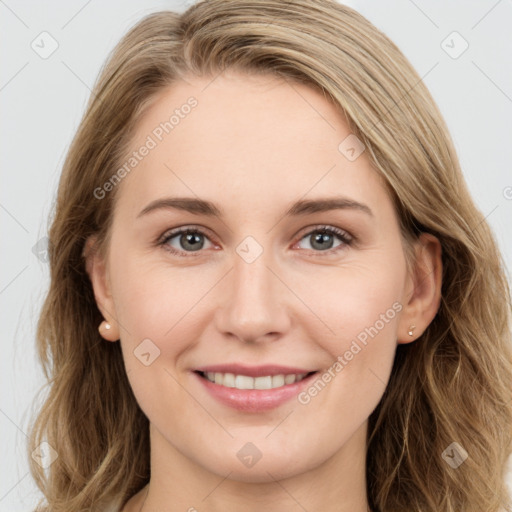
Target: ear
(422, 293)
(97, 269)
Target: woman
(270, 287)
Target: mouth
(253, 389)
(239, 381)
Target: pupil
(321, 238)
(194, 240)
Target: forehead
(257, 137)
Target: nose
(254, 307)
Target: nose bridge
(252, 278)
(254, 305)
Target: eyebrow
(303, 207)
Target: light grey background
(42, 100)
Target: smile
(232, 380)
(252, 389)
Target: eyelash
(330, 230)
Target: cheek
(356, 303)
(155, 307)
(158, 303)
(361, 310)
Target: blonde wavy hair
(452, 384)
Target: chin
(261, 473)
(269, 468)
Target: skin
(253, 146)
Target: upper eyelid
(171, 233)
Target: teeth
(263, 382)
(289, 379)
(277, 381)
(229, 380)
(245, 382)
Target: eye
(191, 240)
(321, 239)
(184, 240)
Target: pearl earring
(104, 326)
(411, 328)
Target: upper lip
(252, 371)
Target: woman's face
(255, 288)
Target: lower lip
(254, 400)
